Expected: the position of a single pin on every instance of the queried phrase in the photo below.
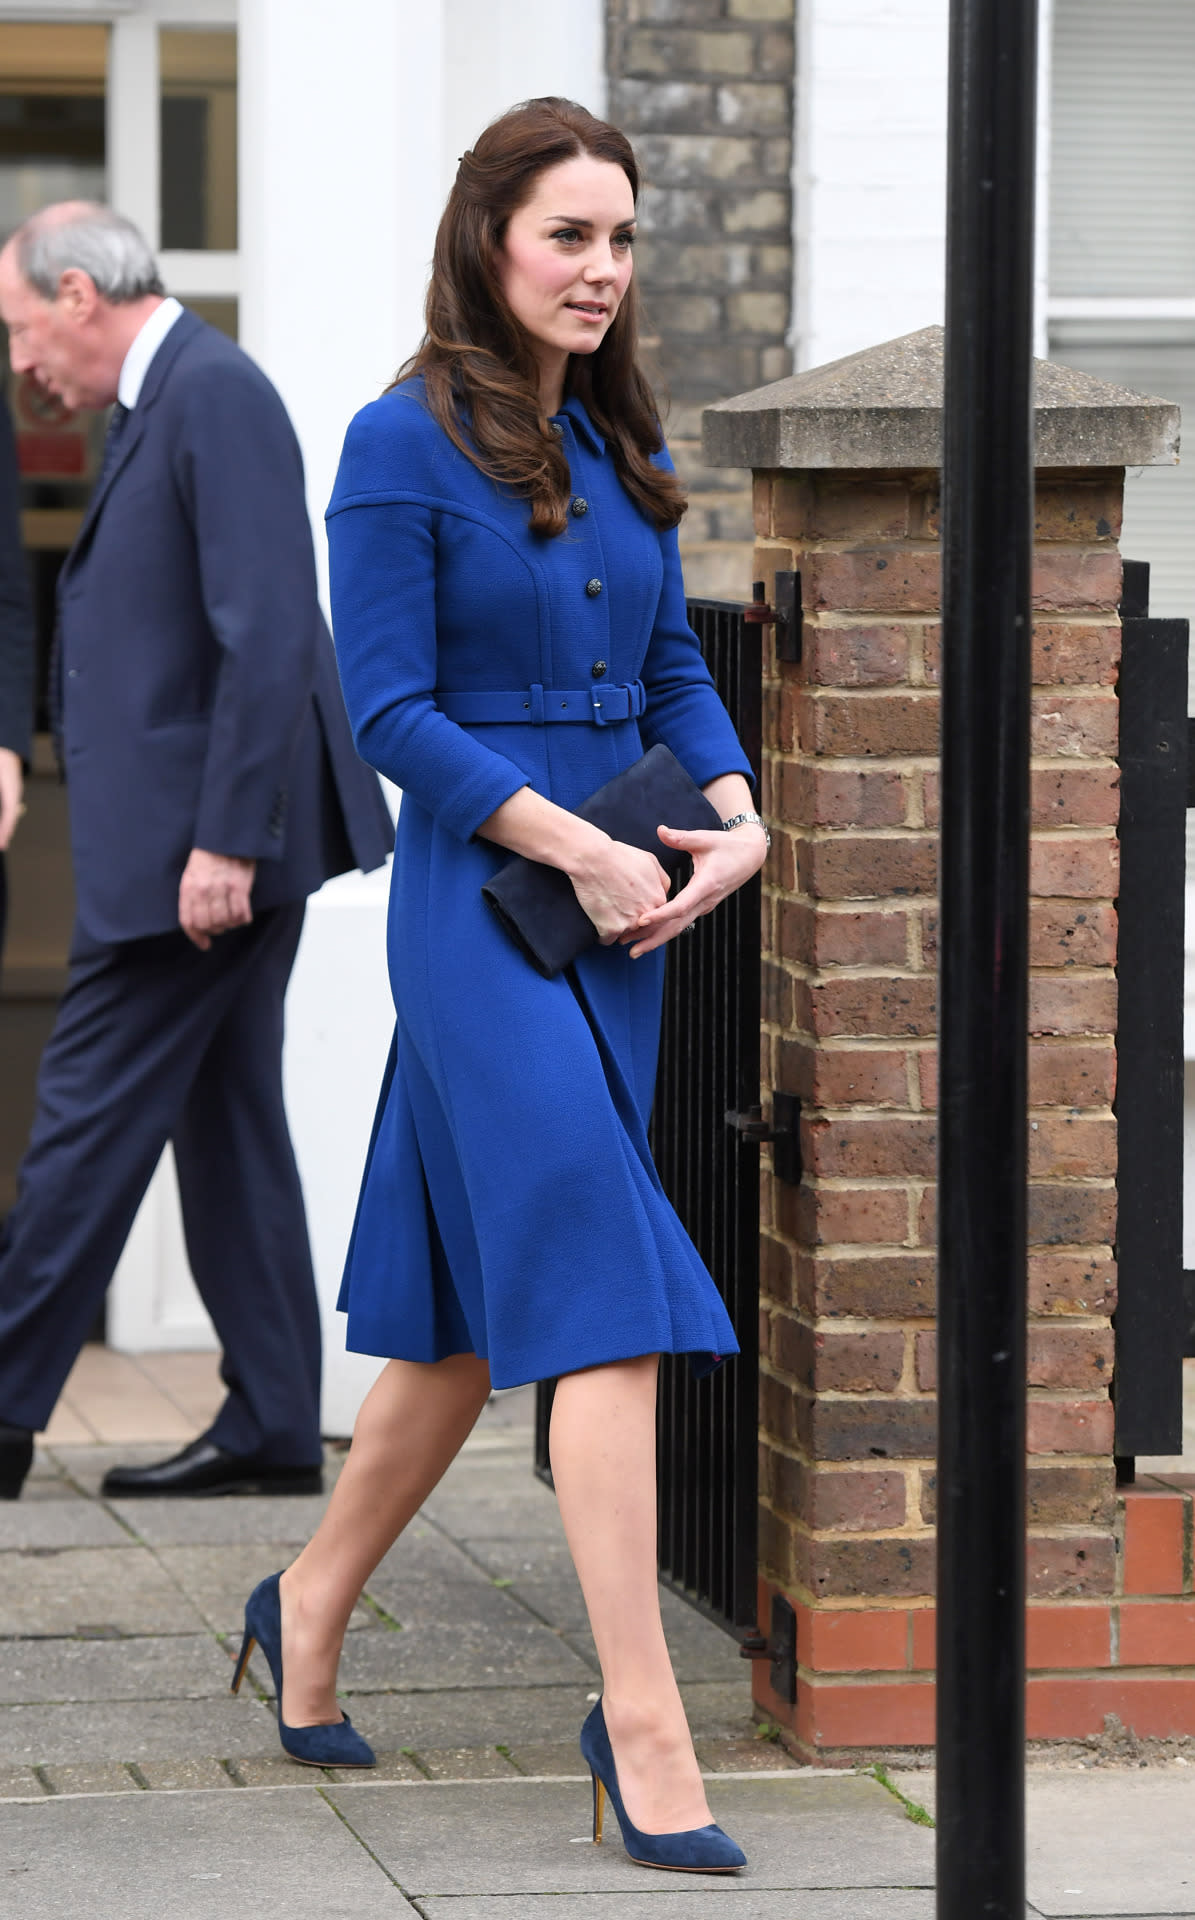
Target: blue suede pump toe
(338, 1745)
(700, 1850)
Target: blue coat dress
(509, 1205)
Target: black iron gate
(1152, 1327)
(708, 1080)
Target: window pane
(199, 138)
(1122, 160)
(51, 117)
(218, 313)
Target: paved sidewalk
(134, 1785)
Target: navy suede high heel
(699, 1850)
(337, 1745)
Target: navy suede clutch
(537, 905)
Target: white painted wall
(870, 173)
(497, 52)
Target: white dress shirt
(139, 356)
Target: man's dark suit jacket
(201, 704)
(16, 617)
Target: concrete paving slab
(736, 1900)
(480, 1499)
(183, 1667)
(509, 1651)
(44, 1468)
(918, 1784)
(123, 1730)
(198, 1856)
(274, 1770)
(719, 1709)
(78, 1590)
(249, 1519)
(549, 1759)
(512, 1407)
(462, 1595)
(463, 1763)
(471, 1717)
(539, 1572)
(744, 1756)
(20, 1783)
(68, 1427)
(516, 1837)
(69, 1522)
(97, 1776)
(219, 1580)
(522, 1716)
(1111, 1842)
(423, 1552)
(391, 1766)
(87, 1465)
(179, 1776)
(699, 1650)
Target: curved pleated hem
(702, 1362)
(582, 1270)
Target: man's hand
(12, 783)
(213, 895)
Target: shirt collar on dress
(139, 356)
(583, 425)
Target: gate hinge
(785, 616)
(780, 1649)
(783, 1132)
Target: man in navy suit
(212, 785)
(16, 653)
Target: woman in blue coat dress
(510, 625)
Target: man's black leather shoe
(204, 1468)
(16, 1458)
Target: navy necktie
(112, 440)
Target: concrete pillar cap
(883, 408)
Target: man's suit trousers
(156, 1041)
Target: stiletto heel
(698, 1850)
(599, 1809)
(337, 1745)
(247, 1646)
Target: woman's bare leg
(603, 1445)
(408, 1432)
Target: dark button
(593, 588)
(598, 669)
(580, 506)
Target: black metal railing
(1151, 1326)
(707, 1430)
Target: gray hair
(96, 240)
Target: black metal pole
(987, 555)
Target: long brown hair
(478, 367)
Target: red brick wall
(851, 789)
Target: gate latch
(784, 1133)
(780, 1649)
(785, 616)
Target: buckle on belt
(633, 694)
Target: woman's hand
(619, 887)
(721, 863)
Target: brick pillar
(846, 494)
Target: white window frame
(133, 138)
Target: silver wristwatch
(748, 820)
